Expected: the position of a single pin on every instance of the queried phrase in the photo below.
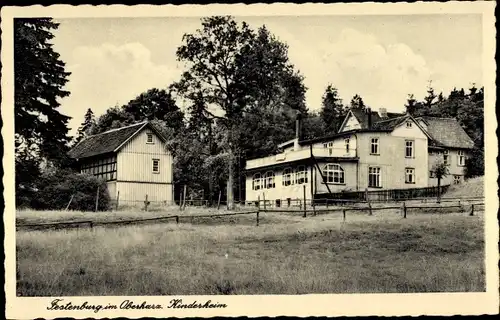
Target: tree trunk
(229, 188)
(439, 190)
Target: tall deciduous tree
(332, 110)
(40, 129)
(234, 72)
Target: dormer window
(149, 138)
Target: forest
(241, 95)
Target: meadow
(285, 254)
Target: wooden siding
(135, 160)
(100, 166)
(136, 191)
(112, 189)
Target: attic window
(409, 124)
(150, 138)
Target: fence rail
(91, 224)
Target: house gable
(350, 123)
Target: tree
(474, 164)
(440, 170)
(411, 104)
(38, 85)
(332, 111)
(234, 73)
(154, 104)
(357, 103)
(86, 126)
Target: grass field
(286, 254)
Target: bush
(54, 191)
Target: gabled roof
(447, 132)
(109, 141)
(363, 117)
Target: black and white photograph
(160, 161)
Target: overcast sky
(382, 58)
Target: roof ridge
(117, 129)
(392, 119)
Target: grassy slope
(285, 255)
(470, 188)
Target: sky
(383, 58)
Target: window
(432, 174)
(457, 179)
(410, 175)
(461, 158)
(446, 156)
(150, 138)
(301, 175)
(287, 177)
(257, 182)
(156, 165)
(333, 173)
(330, 148)
(346, 142)
(409, 149)
(374, 146)
(409, 124)
(374, 177)
(269, 180)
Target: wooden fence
(384, 195)
(304, 212)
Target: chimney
(369, 111)
(382, 112)
(298, 127)
(298, 132)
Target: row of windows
(99, 162)
(409, 147)
(446, 157)
(290, 177)
(332, 173)
(330, 147)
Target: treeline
(241, 97)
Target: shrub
(54, 191)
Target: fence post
(97, 199)
(264, 199)
(343, 214)
(257, 218)
(258, 203)
(177, 219)
(184, 198)
(117, 199)
(71, 199)
(305, 213)
(472, 210)
(368, 200)
(404, 210)
(146, 203)
(218, 202)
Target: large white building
(373, 151)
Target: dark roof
(447, 132)
(390, 123)
(107, 142)
(362, 117)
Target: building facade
(371, 151)
(133, 161)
